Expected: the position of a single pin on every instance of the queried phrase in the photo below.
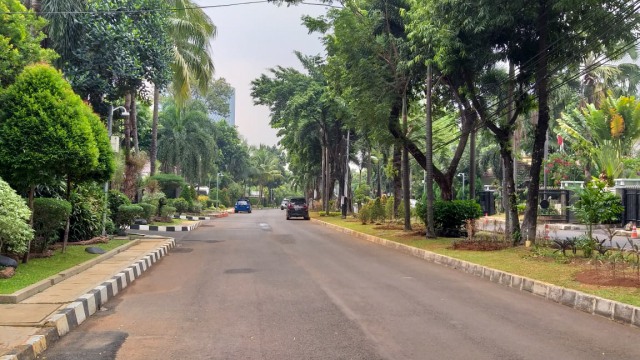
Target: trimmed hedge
(449, 216)
(49, 217)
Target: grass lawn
(535, 263)
(174, 222)
(41, 268)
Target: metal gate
(631, 204)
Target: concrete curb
(165, 228)
(29, 291)
(612, 310)
(189, 217)
(74, 314)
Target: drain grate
(182, 250)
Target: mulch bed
(604, 277)
(482, 245)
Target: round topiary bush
(149, 210)
(127, 214)
(15, 232)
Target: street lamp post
(463, 183)
(106, 183)
(218, 189)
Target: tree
(15, 232)
(603, 136)
(190, 31)
(597, 205)
(20, 37)
(44, 132)
(186, 144)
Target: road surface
(256, 286)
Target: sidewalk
(39, 315)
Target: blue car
(242, 205)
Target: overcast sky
(251, 39)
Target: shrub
(188, 193)
(388, 207)
(364, 213)
(88, 206)
(116, 198)
(169, 183)
(153, 198)
(449, 216)
(127, 214)
(196, 207)
(49, 217)
(377, 211)
(181, 205)
(15, 232)
(167, 211)
(148, 211)
(597, 205)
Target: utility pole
(430, 233)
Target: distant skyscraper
(231, 119)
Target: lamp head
(125, 113)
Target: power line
(137, 11)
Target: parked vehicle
(284, 204)
(242, 206)
(297, 207)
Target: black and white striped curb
(189, 217)
(166, 228)
(86, 305)
(613, 310)
(74, 314)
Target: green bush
(149, 210)
(364, 213)
(167, 211)
(116, 198)
(449, 216)
(169, 183)
(388, 207)
(15, 232)
(49, 218)
(188, 193)
(88, 206)
(181, 205)
(377, 211)
(153, 198)
(196, 208)
(127, 214)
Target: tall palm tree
(187, 144)
(191, 30)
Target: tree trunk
(397, 179)
(406, 184)
(430, 231)
(328, 181)
(133, 115)
(472, 164)
(65, 238)
(130, 176)
(531, 212)
(154, 131)
(512, 227)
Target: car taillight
(304, 206)
(290, 206)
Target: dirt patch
(480, 245)
(605, 277)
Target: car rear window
(241, 203)
(298, 201)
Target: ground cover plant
(541, 262)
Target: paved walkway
(50, 309)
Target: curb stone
(166, 228)
(610, 309)
(74, 314)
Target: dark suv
(297, 207)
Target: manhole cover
(207, 225)
(181, 250)
(240, 271)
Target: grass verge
(517, 260)
(38, 269)
(174, 222)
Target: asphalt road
(255, 286)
